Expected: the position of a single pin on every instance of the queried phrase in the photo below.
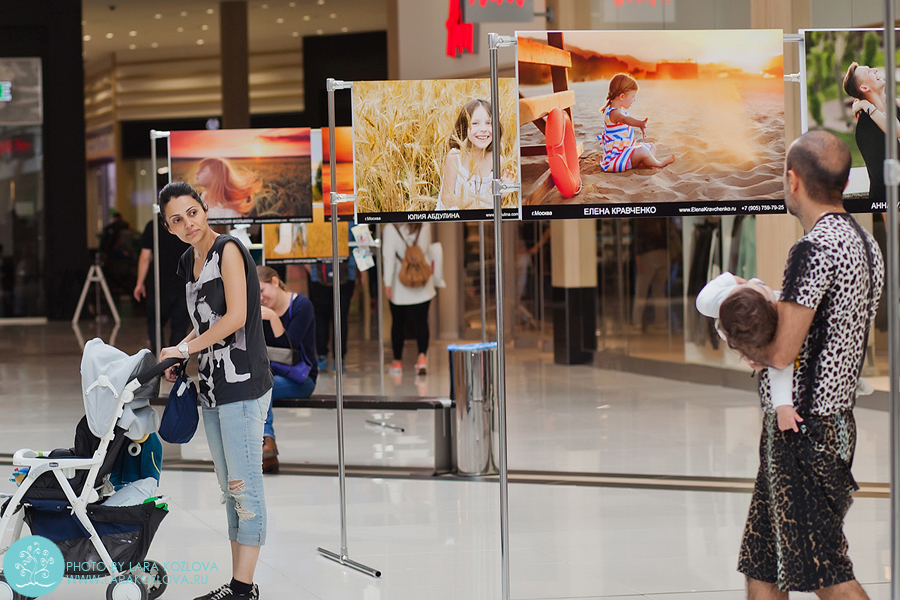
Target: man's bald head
(822, 162)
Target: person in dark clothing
(172, 306)
(867, 86)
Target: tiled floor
(439, 538)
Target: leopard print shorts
(794, 535)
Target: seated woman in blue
(288, 322)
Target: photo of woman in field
(247, 175)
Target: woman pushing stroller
(223, 299)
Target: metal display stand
(343, 558)
(891, 180)
(496, 41)
(483, 280)
(95, 275)
(156, 135)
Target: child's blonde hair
(621, 83)
(230, 188)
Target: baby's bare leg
(642, 158)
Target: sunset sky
(240, 143)
(750, 50)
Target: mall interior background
(157, 65)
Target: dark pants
(417, 317)
(173, 311)
(322, 298)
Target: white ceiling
(139, 30)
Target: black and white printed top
(236, 368)
(828, 270)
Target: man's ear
(793, 181)
(865, 89)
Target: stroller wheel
(7, 592)
(155, 578)
(126, 587)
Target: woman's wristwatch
(183, 348)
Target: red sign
(16, 145)
(460, 36)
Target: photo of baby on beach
(427, 147)
(671, 118)
(247, 175)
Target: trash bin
(474, 431)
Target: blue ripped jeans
(235, 432)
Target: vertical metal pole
(338, 349)
(343, 558)
(483, 281)
(893, 280)
(378, 282)
(157, 331)
(494, 40)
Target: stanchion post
(496, 41)
(483, 280)
(343, 558)
(891, 179)
(155, 135)
(379, 284)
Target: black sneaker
(226, 593)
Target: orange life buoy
(562, 153)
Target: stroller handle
(156, 370)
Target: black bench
(442, 409)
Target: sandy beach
(727, 136)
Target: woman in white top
(408, 304)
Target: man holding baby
(794, 539)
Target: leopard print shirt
(828, 270)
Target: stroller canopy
(105, 371)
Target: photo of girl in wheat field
(423, 150)
(247, 175)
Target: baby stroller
(61, 497)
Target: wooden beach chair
(535, 110)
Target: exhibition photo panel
(247, 175)
(423, 150)
(650, 123)
(843, 92)
(289, 243)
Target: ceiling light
(157, 16)
(180, 30)
(109, 36)
(319, 31)
(143, 171)
(162, 170)
(154, 45)
(344, 29)
(132, 33)
(210, 11)
(292, 4)
(265, 6)
(199, 42)
(279, 20)
(321, 2)
(87, 38)
(295, 34)
(132, 46)
(306, 17)
(333, 15)
(204, 27)
(184, 13)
